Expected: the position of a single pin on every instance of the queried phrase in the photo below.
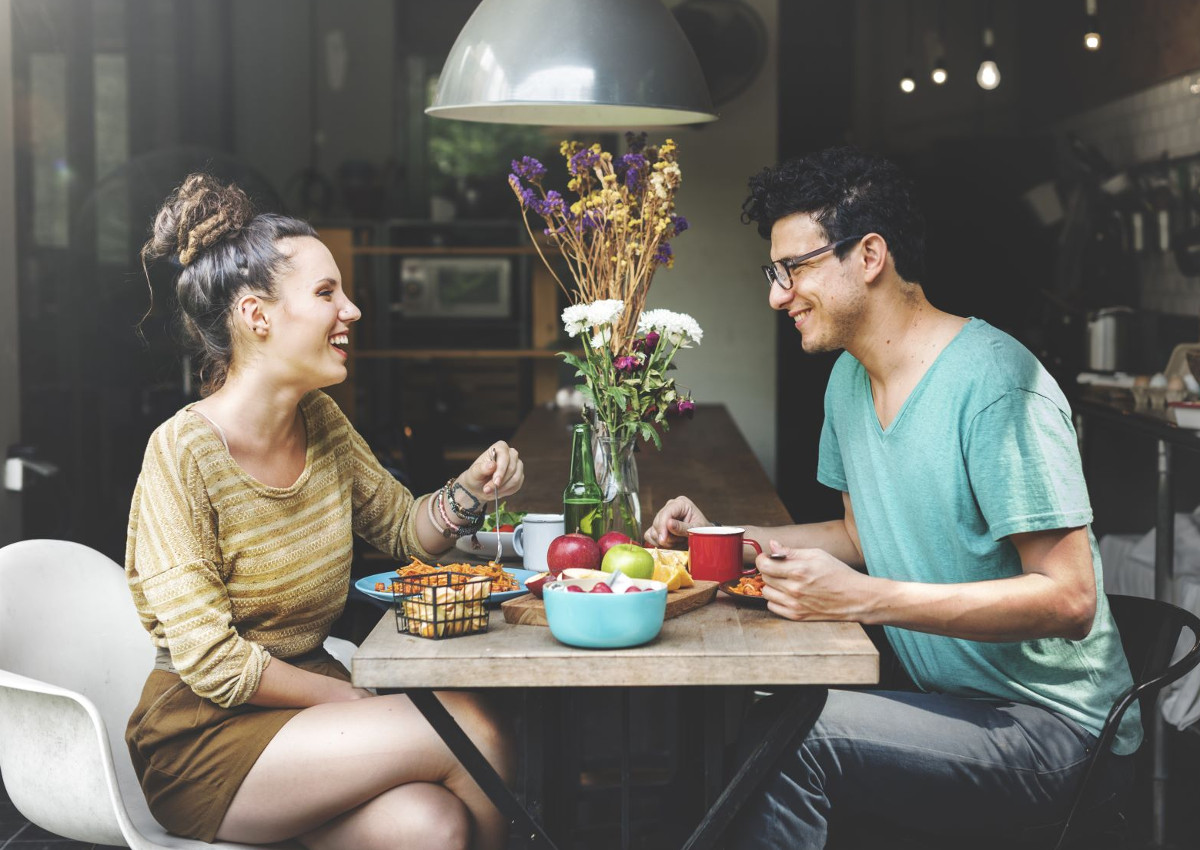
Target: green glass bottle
(582, 497)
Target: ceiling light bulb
(939, 75)
(988, 75)
(907, 83)
(1091, 38)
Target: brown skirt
(191, 755)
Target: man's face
(827, 301)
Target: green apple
(631, 559)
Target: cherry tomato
(508, 527)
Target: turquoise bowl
(604, 620)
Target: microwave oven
(456, 287)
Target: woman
(238, 558)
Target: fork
(496, 493)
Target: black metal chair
(1150, 631)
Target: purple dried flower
(681, 224)
(528, 168)
(626, 363)
(582, 161)
(687, 407)
(530, 200)
(634, 166)
(651, 341)
(663, 253)
(553, 203)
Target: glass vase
(616, 473)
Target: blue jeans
(930, 762)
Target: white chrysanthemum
(575, 319)
(604, 312)
(679, 328)
(600, 339)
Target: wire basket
(442, 604)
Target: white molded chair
(73, 659)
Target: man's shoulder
(999, 366)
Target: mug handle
(749, 571)
(518, 539)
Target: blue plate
(366, 585)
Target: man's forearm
(832, 536)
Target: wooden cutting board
(528, 610)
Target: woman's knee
(422, 816)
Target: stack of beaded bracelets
(470, 519)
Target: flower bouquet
(612, 239)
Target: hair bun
(197, 215)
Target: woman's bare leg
(416, 816)
(331, 759)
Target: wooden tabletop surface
(719, 644)
(705, 458)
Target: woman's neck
(252, 415)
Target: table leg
(477, 766)
(626, 771)
(533, 753)
(1164, 590)
(714, 744)
(804, 706)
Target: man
(966, 535)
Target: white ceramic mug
(532, 538)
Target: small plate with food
(746, 590)
(482, 544)
(507, 582)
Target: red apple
(611, 539)
(572, 550)
(534, 584)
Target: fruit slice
(534, 584)
(577, 572)
(671, 576)
(671, 567)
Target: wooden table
(705, 458)
(707, 647)
(710, 649)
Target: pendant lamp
(603, 63)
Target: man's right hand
(671, 524)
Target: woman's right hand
(671, 524)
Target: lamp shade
(604, 63)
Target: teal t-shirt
(982, 448)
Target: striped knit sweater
(227, 572)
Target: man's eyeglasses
(780, 272)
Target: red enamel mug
(715, 552)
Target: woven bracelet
(453, 529)
(467, 514)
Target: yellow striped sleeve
(175, 573)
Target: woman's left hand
(498, 472)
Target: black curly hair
(848, 192)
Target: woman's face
(309, 324)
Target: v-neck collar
(874, 414)
(261, 487)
